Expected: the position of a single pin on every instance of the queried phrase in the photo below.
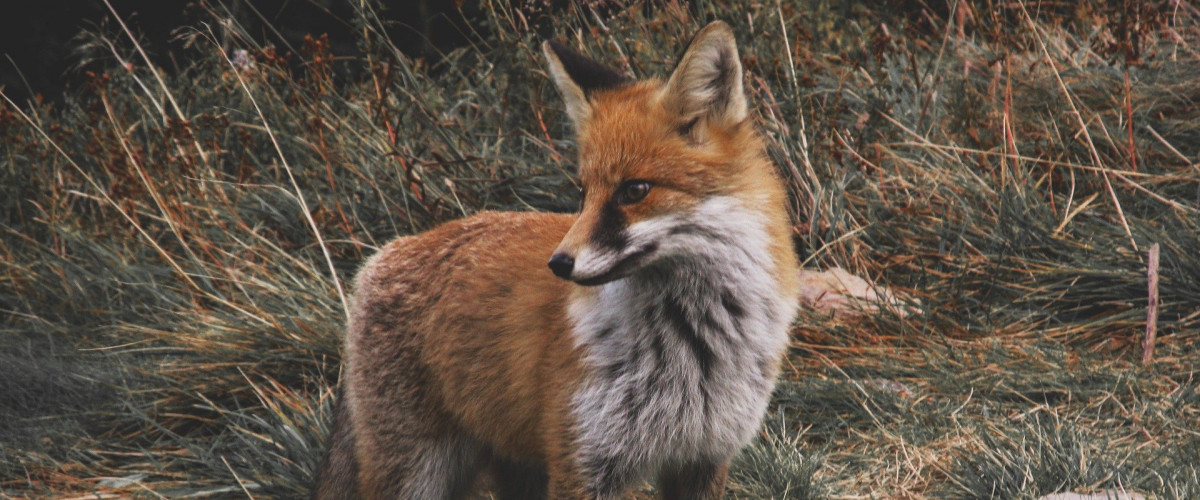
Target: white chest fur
(684, 351)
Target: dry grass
(173, 246)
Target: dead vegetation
(174, 246)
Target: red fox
(647, 351)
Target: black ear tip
(568, 55)
(561, 49)
(588, 74)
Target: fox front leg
(702, 480)
(590, 478)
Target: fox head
(652, 152)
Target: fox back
(573, 356)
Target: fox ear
(577, 77)
(707, 82)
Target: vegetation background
(177, 233)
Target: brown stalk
(1152, 306)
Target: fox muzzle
(562, 265)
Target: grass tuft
(776, 467)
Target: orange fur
(461, 352)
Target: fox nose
(562, 265)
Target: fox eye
(632, 192)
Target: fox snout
(562, 265)
(595, 265)
(591, 251)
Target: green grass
(172, 254)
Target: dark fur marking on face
(687, 331)
(610, 229)
(589, 75)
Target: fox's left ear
(577, 78)
(707, 82)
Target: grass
(173, 243)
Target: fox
(576, 356)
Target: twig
(829, 245)
(1169, 146)
(1152, 306)
(238, 479)
(1133, 163)
(1072, 213)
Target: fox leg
(338, 475)
(434, 467)
(595, 478)
(519, 480)
(405, 449)
(406, 446)
(702, 480)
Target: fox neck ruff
(684, 352)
